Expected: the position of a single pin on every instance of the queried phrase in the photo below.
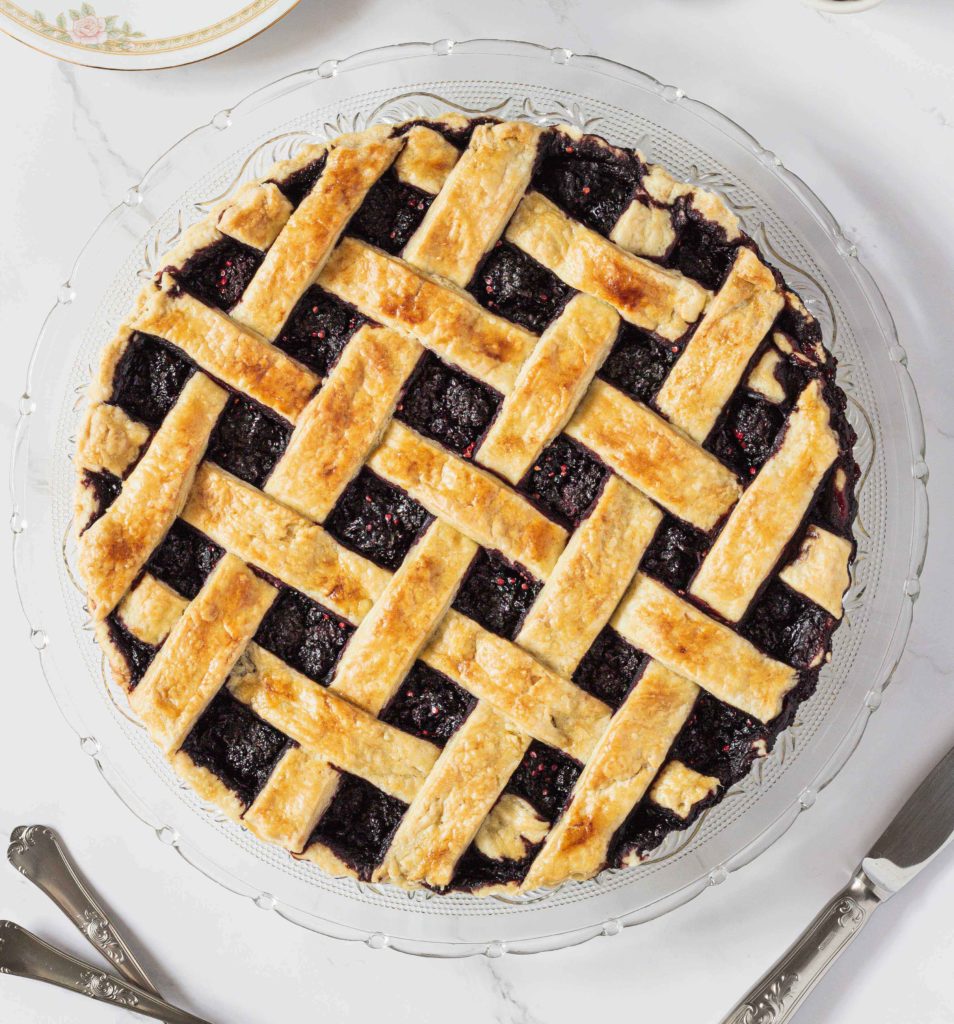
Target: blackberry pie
(466, 505)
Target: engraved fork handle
(23, 954)
(777, 996)
(36, 852)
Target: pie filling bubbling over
(370, 418)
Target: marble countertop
(868, 121)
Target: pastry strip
(151, 609)
(820, 569)
(590, 577)
(678, 789)
(194, 662)
(616, 777)
(110, 440)
(544, 704)
(300, 251)
(468, 498)
(441, 318)
(478, 198)
(770, 511)
(285, 544)
(452, 804)
(686, 640)
(654, 456)
(343, 422)
(763, 380)
(332, 728)
(549, 386)
(644, 229)
(226, 350)
(702, 381)
(645, 294)
(116, 547)
(426, 160)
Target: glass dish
(514, 80)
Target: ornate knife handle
(23, 954)
(36, 852)
(781, 991)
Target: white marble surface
(869, 113)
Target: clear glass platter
(512, 80)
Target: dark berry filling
(702, 250)
(675, 553)
(591, 182)
(514, 285)
(248, 441)
(565, 481)
(138, 653)
(835, 505)
(719, 740)
(497, 594)
(391, 212)
(149, 378)
(639, 363)
(544, 778)
(304, 635)
(299, 183)
(184, 559)
(359, 824)
(237, 746)
(377, 520)
(429, 705)
(318, 329)
(105, 487)
(789, 627)
(746, 434)
(220, 273)
(610, 668)
(476, 871)
(448, 405)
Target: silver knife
(920, 830)
(23, 954)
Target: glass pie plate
(511, 80)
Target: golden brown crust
(226, 350)
(644, 229)
(468, 498)
(764, 379)
(285, 544)
(678, 789)
(478, 198)
(256, 215)
(442, 319)
(820, 569)
(687, 641)
(654, 456)
(426, 160)
(344, 421)
(300, 251)
(590, 577)
(116, 547)
(150, 610)
(549, 387)
(110, 440)
(644, 293)
(545, 705)
(194, 662)
(616, 777)
(770, 511)
(701, 383)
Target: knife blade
(916, 835)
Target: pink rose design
(89, 30)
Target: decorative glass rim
(896, 632)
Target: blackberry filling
(391, 212)
(610, 668)
(299, 183)
(359, 824)
(220, 273)
(429, 705)
(745, 436)
(248, 441)
(497, 594)
(702, 250)
(639, 363)
(105, 487)
(788, 627)
(476, 871)
(448, 405)
(675, 553)
(719, 740)
(137, 653)
(149, 378)
(377, 520)
(184, 559)
(565, 481)
(304, 635)
(318, 329)
(513, 285)
(544, 778)
(238, 747)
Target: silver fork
(36, 852)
